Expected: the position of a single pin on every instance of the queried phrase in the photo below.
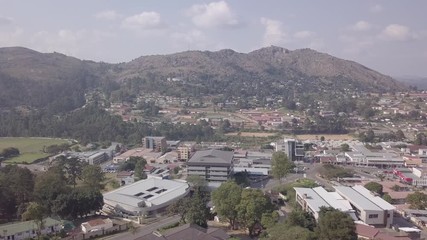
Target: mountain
(414, 81)
(56, 81)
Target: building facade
(293, 149)
(211, 165)
(157, 144)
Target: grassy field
(252, 134)
(31, 148)
(318, 136)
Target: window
(373, 215)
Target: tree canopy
(280, 165)
(375, 187)
(334, 224)
(225, 199)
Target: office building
(211, 165)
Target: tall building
(157, 144)
(211, 165)
(293, 149)
(185, 150)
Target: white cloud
(396, 32)
(12, 38)
(361, 26)
(144, 20)
(108, 15)
(273, 35)
(376, 8)
(214, 14)
(304, 34)
(5, 20)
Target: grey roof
(314, 201)
(189, 232)
(356, 198)
(152, 191)
(211, 157)
(375, 199)
(331, 200)
(19, 227)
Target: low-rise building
(146, 197)
(96, 224)
(28, 229)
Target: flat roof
(356, 198)
(332, 200)
(375, 199)
(313, 199)
(152, 191)
(213, 156)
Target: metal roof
(152, 191)
(19, 227)
(332, 200)
(375, 199)
(314, 201)
(356, 198)
(211, 157)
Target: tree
(375, 187)
(252, 205)
(400, 135)
(345, 147)
(268, 220)
(388, 198)
(139, 168)
(283, 232)
(302, 219)
(93, 177)
(197, 182)
(197, 212)
(35, 212)
(225, 199)
(280, 165)
(417, 200)
(49, 186)
(73, 168)
(322, 138)
(334, 224)
(9, 152)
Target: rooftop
(19, 227)
(152, 191)
(212, 156)
(356, 198)
(312, 198)
(375, 199)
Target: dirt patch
(252, 134)
(318, 136)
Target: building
(145, 197)
(185, 150)
(97, 158)
(125, 178)
(383, 159)
(96, 225)
(28, 229)
(370, 209)
(293, 149)
(157, 144)
(356, 201)
(188, 231)
(211, 165)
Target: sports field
(31, 149)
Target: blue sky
(389, 36)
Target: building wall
(32, 233)
(158, 144)
(210, 173)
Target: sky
(389, 36)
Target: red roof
(96, 222)
(366, 231)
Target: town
(375, 175)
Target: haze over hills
(39, 79)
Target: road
(143, 229)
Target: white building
(146, 197)
(356, 201)
(370, 209)
(96, 225)
(212, 165)
(28, 229)
(363, 156)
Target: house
(125, 178)
(96, 224)
(188, 232)
(28, 229)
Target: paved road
(143, 229)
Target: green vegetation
(417, 200)
(330, 172)
(375, 187)
(289, 192)
(30, 149)
(280, 165)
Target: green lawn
(31, 149)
